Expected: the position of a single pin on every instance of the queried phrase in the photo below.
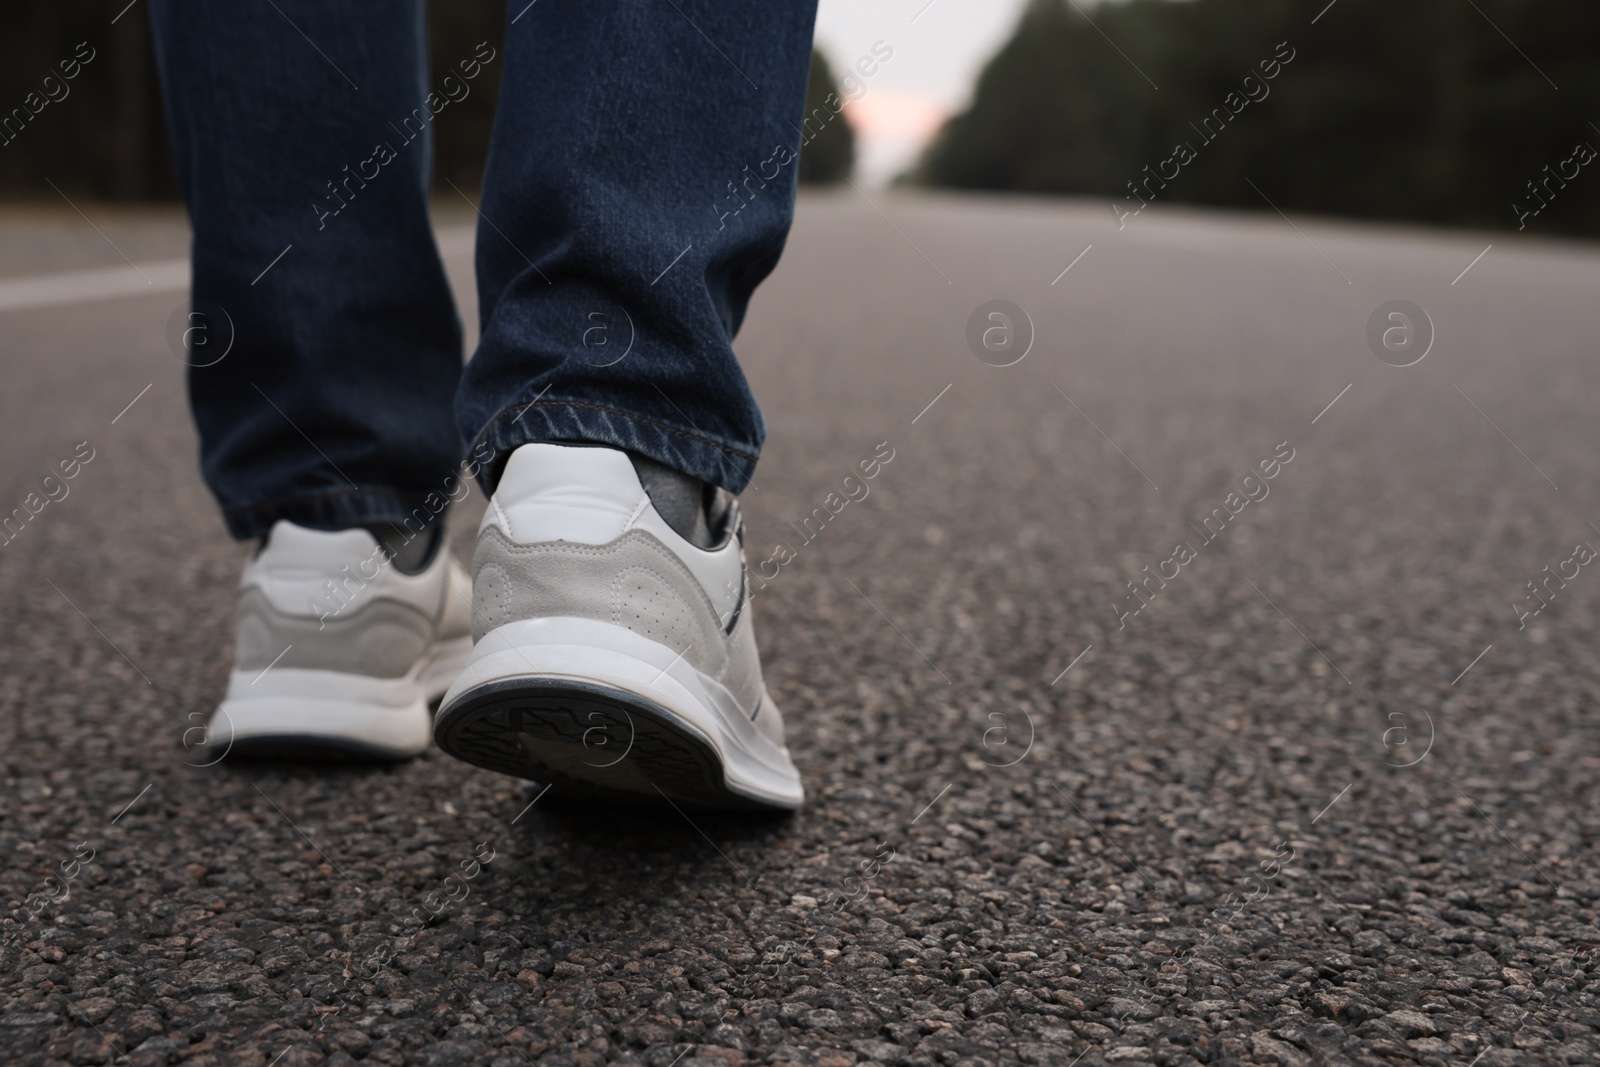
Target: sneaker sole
(599, 711)
(297, 713)
(588, 741)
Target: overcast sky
(939, 48)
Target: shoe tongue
(679, 498)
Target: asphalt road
(1328, 797)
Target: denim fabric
(640, 186)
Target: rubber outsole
(588, 740)
(318, 748)
(335, 717)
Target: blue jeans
(640, 185)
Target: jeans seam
(700, 438)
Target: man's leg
(330, 353)
(302, 144)
(640, 185)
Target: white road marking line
(154, 276)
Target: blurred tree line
(830, 154)
(1421, 109)
(101, 133)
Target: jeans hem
(335, 509)
(557, 421)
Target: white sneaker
(338, 651)
(613, 657)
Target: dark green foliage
(107, 137)
(461, 136)
(101, 132)
(830, 152)
(1403, 110)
